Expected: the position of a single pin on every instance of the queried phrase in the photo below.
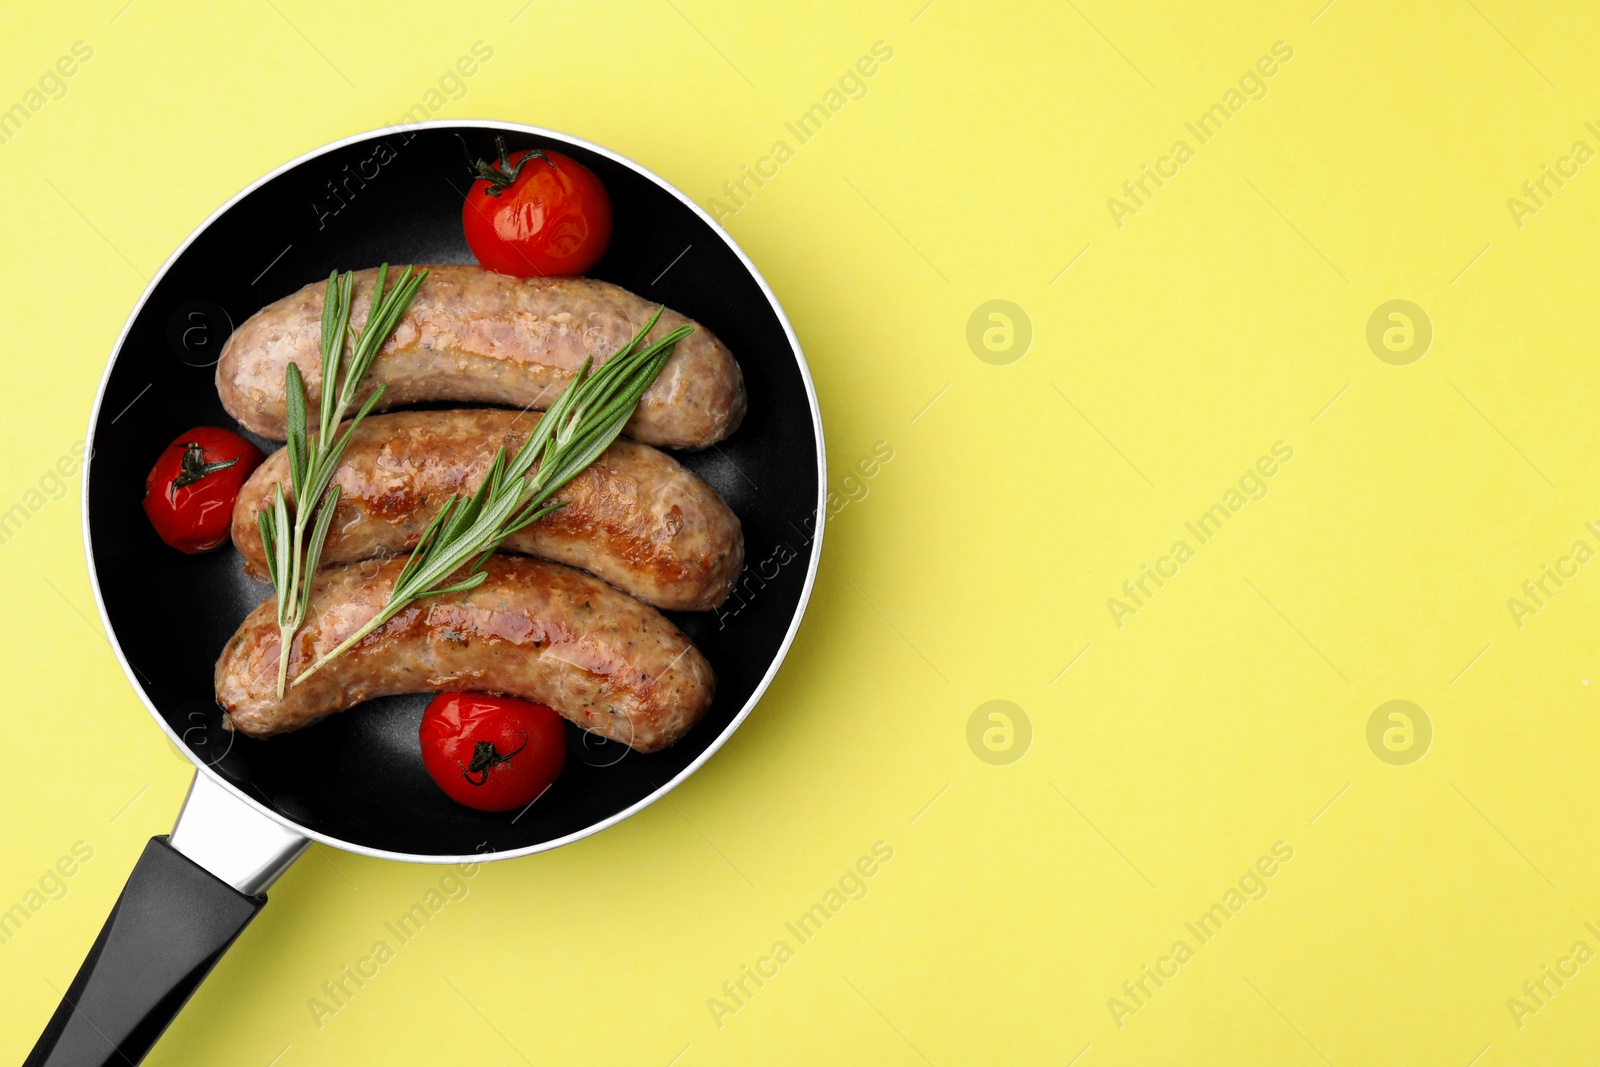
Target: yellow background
(1229, 713)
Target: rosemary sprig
(291, 558)
(582, 423)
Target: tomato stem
(485, 759)
(503, 173)
(193, 466)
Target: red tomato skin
(454, 725)
(196, 517)
(550, 221)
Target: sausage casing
(479, 337)
(534, 630)
(636, 517)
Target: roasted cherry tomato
(189, 493)
(536, 213)
(491, 753)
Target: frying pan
(355, 781)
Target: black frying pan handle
(172, 923)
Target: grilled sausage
(475, 336)
(635, 517)
(534, 630)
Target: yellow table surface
(1167, 744)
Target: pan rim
(766, 679)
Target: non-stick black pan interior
(358, 777)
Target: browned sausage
(636, 517)
(534, 630)
(479, 337)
